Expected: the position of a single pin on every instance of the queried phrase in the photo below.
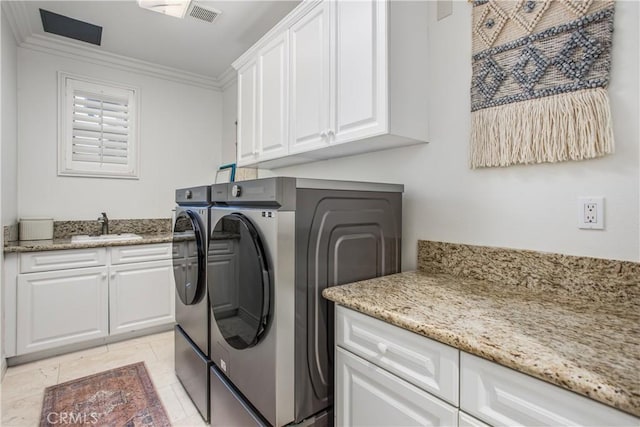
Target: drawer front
(367, 395)
(466, 420)
(220, 247)
(141, 253)
(502, 396)
(33, 262)
(428, 364)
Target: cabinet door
(61, 307)
(141, 295)
(273, 120)
(309, 106)
(223, 268)
(366, 395)
(247, 113)
(359, 70)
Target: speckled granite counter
(65, 243)
(587, 344)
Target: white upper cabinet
(272, 114)
(247, 113)
(359, 71)
(309, 81)
(357, 81)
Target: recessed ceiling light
(177, 8)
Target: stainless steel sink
(84, 238)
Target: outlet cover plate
(591, 213)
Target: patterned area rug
(119, 397)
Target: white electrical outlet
(591, 213)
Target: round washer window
(240, 289)
(189, 265)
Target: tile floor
(22, 389)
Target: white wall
(8, 156)
(229, 117)
(531, 207)
(180, 136)
(9, 145)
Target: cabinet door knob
(323, 134)
(331, 133)
(104, 275)
(382, 347)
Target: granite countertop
(586, 345)
(65, 243)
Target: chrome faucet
(105, 223)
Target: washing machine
(190, 247)
(285, 240)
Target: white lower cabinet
(502, 396)
(59, 300)
(136, 298)
(56, 308)
(388, 376)
(367, 395)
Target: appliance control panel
(194, 195)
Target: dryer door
(189, 262)
(247, 288)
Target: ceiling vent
(204, 13)
(69, 27)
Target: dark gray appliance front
(341, 237)
(190, 247)
(229, 407)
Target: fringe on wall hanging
(540, 73)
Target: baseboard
(44, 354)
(3, 368)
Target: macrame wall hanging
(540, 73)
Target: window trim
(68, 167)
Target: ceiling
(186, 44)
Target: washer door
(243, 321)
(189, 262)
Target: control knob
(236, 191)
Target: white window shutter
(98, 129)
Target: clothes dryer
(271, 330)
(190, 247)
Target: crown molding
(17, 18)
(227, 78)
(60, 47)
